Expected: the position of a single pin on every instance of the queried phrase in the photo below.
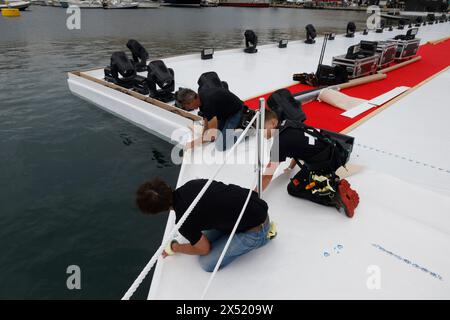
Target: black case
(329, 75)
(211, 80)
(285, 106)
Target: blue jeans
(226, 128)
(242, 243)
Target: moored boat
(245, 3)
(209, 3)
(181, 3)
(118, 4)
(83, 4)
(149, 4)
(38, 2)
(21, 5)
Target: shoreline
(361, 9)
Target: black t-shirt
(295, 143)
(218, 102)
(218, 209)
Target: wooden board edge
(139, 96)
(437, 41)
(270, 92)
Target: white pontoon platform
(398, 243)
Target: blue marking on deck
(337, 249)
(409, 262)
(402, 157)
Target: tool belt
(334, 155)
(318, 188)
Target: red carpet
(322, 115)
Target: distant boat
(117, 4)
(83, 4)
(149, 4)
(52, 3)
(21, 5)
(245, 3)
(209, 3)
(182, 3)
(38, 2)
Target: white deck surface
(412, 139)
(408, 219)
(249, 75)
(404, 207)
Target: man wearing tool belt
(210, 223)
(321, 157)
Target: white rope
(171, 235)
(224, 251)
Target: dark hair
(269, 115)
(184, 96)
(154, 196)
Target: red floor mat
(322, 115)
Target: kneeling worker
(210, 223)
(317, 180)
(221, 110)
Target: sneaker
(346, 198)
(272, 231)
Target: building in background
(245, 3)
(426, 5)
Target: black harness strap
(321, 160)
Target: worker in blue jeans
(241, 243)
(221, 111)
(211, 221)
(228, 135)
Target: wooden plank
(434, 42)
(390, 103)
(139, 96)
(263, 94)
(359, 81)
(399, 65)
(350, 170)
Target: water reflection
(70, 170)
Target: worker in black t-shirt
(317, 180)
(210, 223)
(221, 111)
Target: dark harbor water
(69, 170)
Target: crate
(387, 51)
(357, 67)
(406, 49)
